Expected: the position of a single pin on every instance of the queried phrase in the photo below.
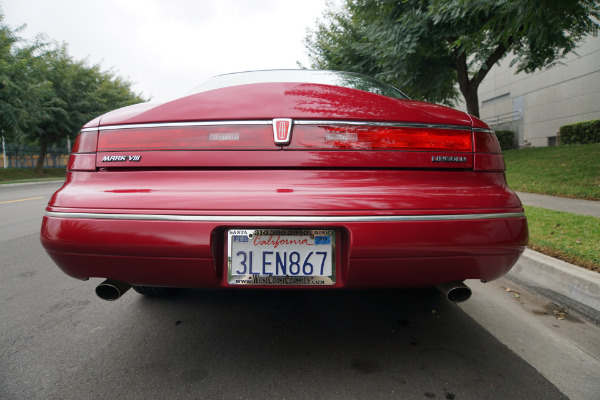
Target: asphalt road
(21, 207)
(59, 341)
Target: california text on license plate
(281, 257)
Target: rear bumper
(373, 251)
(394, 228)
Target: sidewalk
(574, 206)
(568, 284)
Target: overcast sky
(166, 46)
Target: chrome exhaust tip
(111, 290)
(455, 291)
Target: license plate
(281, 257)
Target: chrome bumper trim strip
(278, 218)
(270, 122)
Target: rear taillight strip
(381, 137)
(308, 134)
(381, 124)
(183, 124)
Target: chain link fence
(27, 156)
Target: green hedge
(506, 139)
(587, 132)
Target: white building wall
(536, 105)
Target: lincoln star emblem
(282, 130)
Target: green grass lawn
(15, 174)
(566, 171)
(569, 237)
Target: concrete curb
(570, 285)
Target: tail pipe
(455, 291)
(112, 290)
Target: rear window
(334, 78)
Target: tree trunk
(472, 101)
(467, 87)
(39, 167)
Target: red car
(285, 179)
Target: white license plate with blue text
(281, 257)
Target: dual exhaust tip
(456, 291)
(111, 290)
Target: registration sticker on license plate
(281, 257)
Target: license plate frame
(264, 256)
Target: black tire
(155, 291)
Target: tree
(20, 90)
(46, 95)
(78, 94)
(427, 47)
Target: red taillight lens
(86, 142)
(83, 155)
(380, 138)
(486, 142)
(488, 155)
(228, 137)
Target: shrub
(506, 139)
(587, 132)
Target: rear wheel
(155, 291)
